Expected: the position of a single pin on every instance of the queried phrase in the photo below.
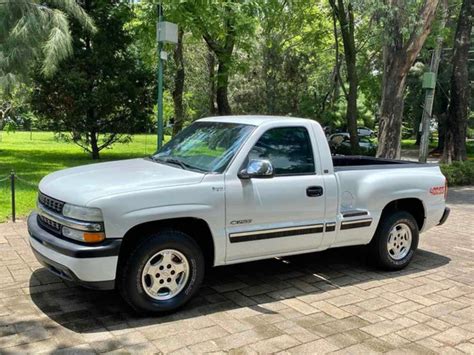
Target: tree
(345, 16)
(223, 25)
(458, 111)
(288, 69)
(102, 93)
(405, 36)
(34, 29)
(178, 85)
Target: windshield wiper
(173, 161)
(178, 162)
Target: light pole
(166, 32)
(159, 104)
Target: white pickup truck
(227, 190)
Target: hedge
(459, 173)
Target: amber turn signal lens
(93, 237)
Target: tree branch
(420, 33)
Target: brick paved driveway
(316, 303)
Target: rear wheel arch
(414, 206)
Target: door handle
(314, 191)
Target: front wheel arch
(196, 228)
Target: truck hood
(82, 184)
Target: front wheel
(395, 241)
(162, 273)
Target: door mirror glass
(257, 169)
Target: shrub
(459, 173)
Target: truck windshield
(204, 146)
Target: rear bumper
(90, 266)
(445, 216)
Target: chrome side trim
(277, 230)
(354, 213)
(276, 233)
(358, 223)
(330, 227)
(80, 225)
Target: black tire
(130, 278)
(379, 253)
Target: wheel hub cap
(165, 274)
(399, 241)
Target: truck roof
(254, 120)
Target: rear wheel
(395, 241)
(162, 273)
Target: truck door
(281, 214)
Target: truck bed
(359, 162)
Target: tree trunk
(178, 85)
(223, 51)
(346, 23)
(391, 113)
(211, 63)
(270, 68)
(223, 107)
(399, 56)
(351, 113)
(442, 118)
(94, 146)
(458, 111)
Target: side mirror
(257, 169)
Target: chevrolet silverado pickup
(227, 190)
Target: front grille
(51, 203)
(49, 225)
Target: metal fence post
(12, 185)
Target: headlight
(82, 236)
(89, 214)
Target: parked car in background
(339, 143)
(365, 132)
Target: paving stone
(454, 336)
(275, 344)
(328, 308)
(320, 346)
(382, 328)
(300, 306)
(417, 332)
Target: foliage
(34, 29)
(459, 173)
(284, 61)
(103, 93)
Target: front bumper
(445, 216)
(92, 266)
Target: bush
(459, 173)
(470, 133)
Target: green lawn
(42, 154)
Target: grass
(42, 154)
(410, 144)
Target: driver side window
(287, 148)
